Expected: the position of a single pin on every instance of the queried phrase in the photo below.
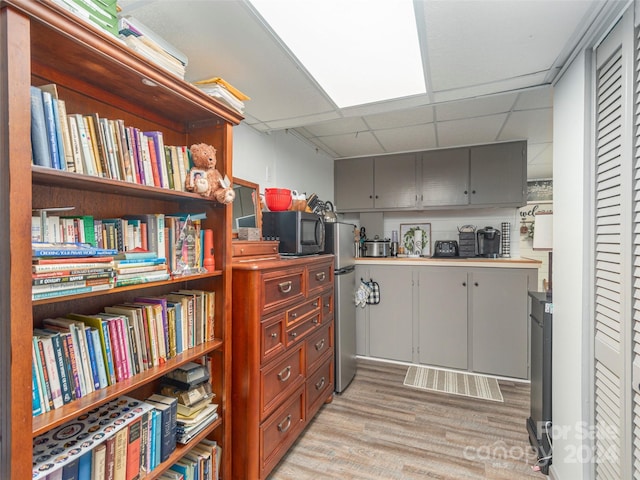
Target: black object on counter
(539, 423)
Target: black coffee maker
(488, 242)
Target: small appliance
(377, 248)
(299, 233)
(445, 248)
(488, 242)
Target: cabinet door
(499, 174)
(391, 321)
(499, 321)
(395, 181)
(353, 179)
(443, 316)
(445, 177)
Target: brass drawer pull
(320, 345)
(274, 335)
(284, 375)
(320, 276)
(320, 384)
(284, 425)
(285, 287)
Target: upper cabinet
(485, 175)
(376, 182)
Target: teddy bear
(203, 177)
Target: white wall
(282, 160)
(571, 258)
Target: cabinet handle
(274, 335)
(377, 196)
(284, 425)
(293, 334)
(315, 304)
(294, 315)
(476, 284)
(320, 384)
(473, 191)
(370, 196)
(464, 284)
(465, 192)
(315, 321)
(285, 287)
(327, 305)
(320, 276)
(320, 345)
(284, 375)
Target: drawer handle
(315, 304)
(274, 335)
(285, 287)
(321, 276)
(327, 305)
(320, 345)
(284, 375)
(284, 425)
(315, 321)
(293, 334)
(320, 384)
(294, 315)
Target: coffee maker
(488, 242)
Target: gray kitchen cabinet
(499, 324)
(385, 330)
(353, 182)
(443, 316)
(498, 174)
(445, 177)
(387, 182)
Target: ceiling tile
(339, 126)
(417, 137)
(475, 107)
(470, 131)
(537, 123)
(351, 145)
(536, 98)
(411, 116)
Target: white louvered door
(612, 250)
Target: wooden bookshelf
(41, 43)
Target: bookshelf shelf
(41, 43)
(54, 418)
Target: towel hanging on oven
(374, 296)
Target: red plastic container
(277, 199)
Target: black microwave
(299, 233)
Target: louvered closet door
(612, 255)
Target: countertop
(520, 262)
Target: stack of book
(150, 45)
(139, 266)
(115, 439)
(202, 463)
(224, 91)
(60, 269)
(190, 386)
(102, 147)
(100, 13)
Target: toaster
(445, 248)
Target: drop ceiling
(489, 68)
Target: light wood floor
(378, 429)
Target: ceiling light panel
(359, 51)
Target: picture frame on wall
(409, 233)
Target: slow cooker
(377, 248)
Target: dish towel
(362, 294)
(374, 296)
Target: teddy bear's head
(203, 156)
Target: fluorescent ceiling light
(359, 51)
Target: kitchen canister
(506, 239)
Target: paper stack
(101, 13)
(222, 90)
(150, 45)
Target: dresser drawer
(272, 338)
(247, 248)
(280, 378)
(318, 344)
(319, 386)
(302, 329)
(320, 276)
(282, 288)
(280, 430)
(298, 313)
(327, 304)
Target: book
(61, 279)
(99, 461)
(88, 161)
(84, 466)
(168, 407)
(71, 291)
(133, 450)
(64, 374)
(155, 232)
(94, 145)
(110, 458)
(151, 178)
(39, 138)
(62, 127)
(76, 147)
(120, 455)
(70, 365)
(48, 357)
(50, 124)
(145, 277)
(40, 362)
(66, 250)
(70, 470)
(128, 165)
(101, 327)
(36, 387)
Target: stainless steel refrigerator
(339, 240)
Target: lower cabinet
(283, 356)
(464, 318)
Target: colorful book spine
(52, 138)
(39, 140)
(95, 376)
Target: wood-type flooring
(379, 429)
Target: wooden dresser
(283, 356)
